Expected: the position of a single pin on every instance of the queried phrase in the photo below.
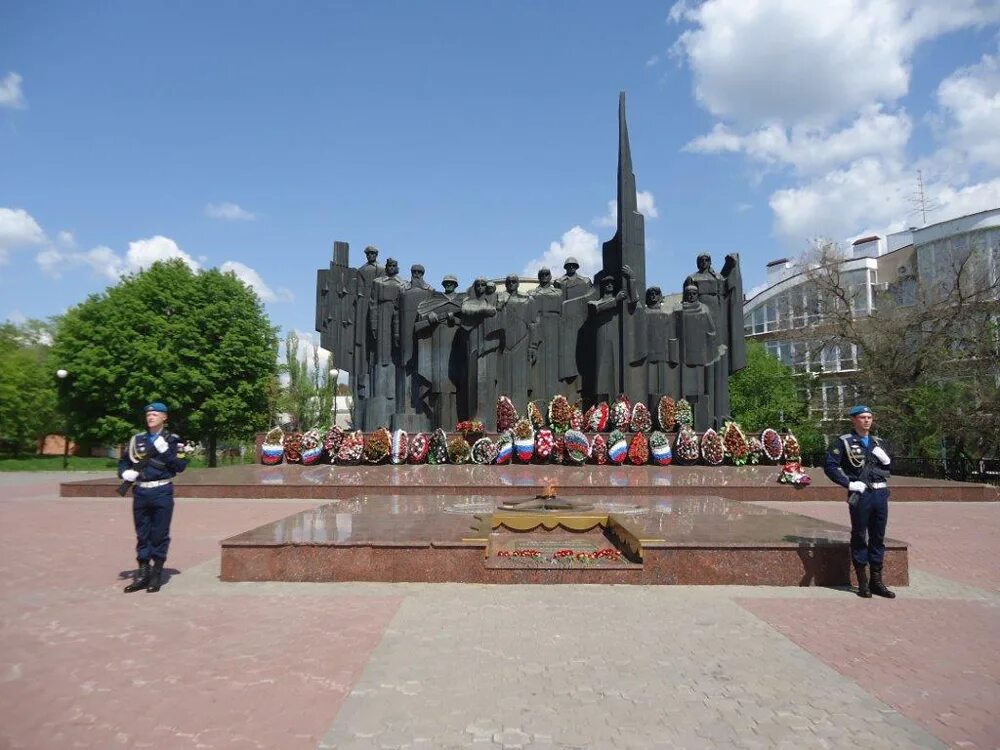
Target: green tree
(766, 393)
(27, 386)
(200, 342)
(307, 395)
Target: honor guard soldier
(149, 463)
(859, 462)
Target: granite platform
(446, 538)
(333, 482)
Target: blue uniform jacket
(847, 456)
(161, 465)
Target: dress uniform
(860, 463)
(151, 460)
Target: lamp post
(62, 375)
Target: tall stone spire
(628, 246)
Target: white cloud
(577, 242)
(106, 262)
(11, 94)
(645, 202)
(144, 253)
(252, 279)
(228, 212)
(748, 57)
(812, 149)
(18, 228)
(970, 100)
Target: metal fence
(986, 470)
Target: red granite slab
(702, 540)
(332, 482)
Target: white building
(782, 312)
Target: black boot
(141, 579)
(156, 579)
(878, 588)
(862, 571)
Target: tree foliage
(928, 352)
(766, 393)
(27, 386)
(307, 395)
(200, 342)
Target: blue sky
(478, 138)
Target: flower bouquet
(642, 420)
(735, 443)
(599, 416)
(332, 440)
(686, 446)
(621, 413)
(559, 450)
(666, 413)
(756, 450)
(683, 413)
(420, 445)
(312, 447)
(793, 452)
(577, 447)
(293, 448)
(599, 450)
(505, 447)
(400, 447)
(272, 450)
(471, 429)
(506, 414)
(617, 447)
(377, 446)
(576, 419)
(484, 451)
(535, 415)
(773, 447)
(458, 450)
(560, 412)
(524, 440)
(659, 449)
(544, 441)
(437, 451)
(712, 448)
(791, 473)
(638, 451)
(351, 448)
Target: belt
(162, 482)
(874, 486)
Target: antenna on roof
(921, 203)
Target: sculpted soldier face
(449, 286)
(511, 283)
(391, 267)
(417, 273)
(571, 269)
(607, 285)
(704, 262)
(479, 286)
(654, 296)
(690, 294)
(544, 277)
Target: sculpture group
(421, 358)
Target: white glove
(881, 455)
(161, 445)
(856, 487)
(130, 475)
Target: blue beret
(156, 406)
(859, 410)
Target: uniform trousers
(868, 519)
(152, 510)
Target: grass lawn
(86, 463)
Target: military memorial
(579, 431)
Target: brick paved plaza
(206, 664)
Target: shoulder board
(846, 436)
